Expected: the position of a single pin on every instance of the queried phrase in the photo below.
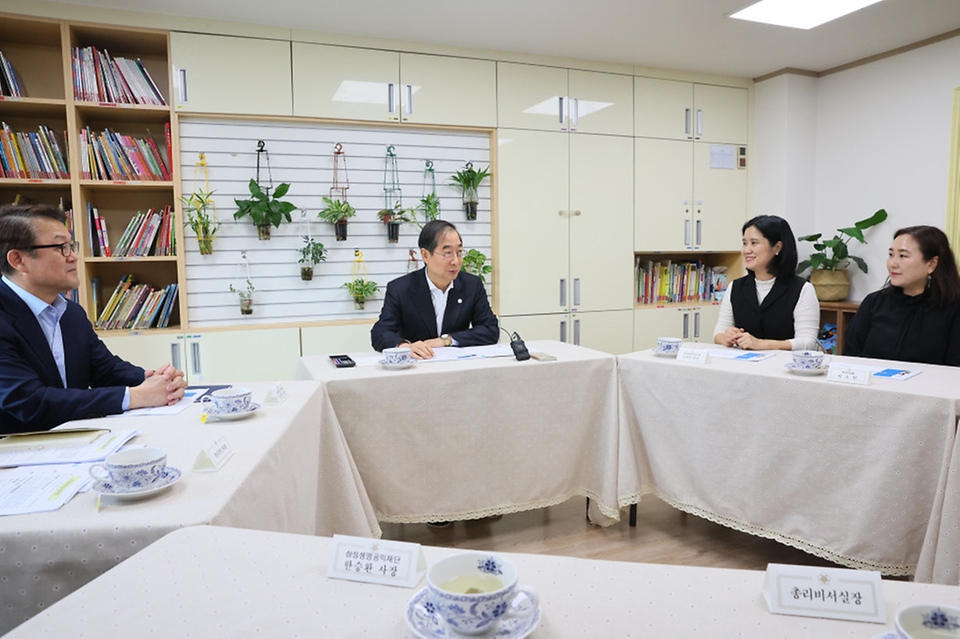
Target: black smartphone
(342, 361)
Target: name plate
(847, 374)
(829, 593)
(693, 355)
(276, 395)
(213, 456)
(394, 563)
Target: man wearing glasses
(53, 367)
(437, 305)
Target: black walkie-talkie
(519, 348)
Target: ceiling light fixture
(800, 14)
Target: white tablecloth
(271, 483)
(222, 582)
(466, 439)
(855, 474)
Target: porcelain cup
(473, 591)
(397, 356)
(807, 360)
(669, 345)
(132, 469)
(928, 622)
(228, 401)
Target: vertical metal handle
(576, 111)
(175, 356)
(563, 292)
(562, 114)
(576, 291)
(698, 232)
(392, 98)
(183, 84)
(686, 232)
(696, 325)
(563, 331)
(699, 122)
(686, 326)
(195, 356)
(686, 122)
(576, 332)
(408, 99)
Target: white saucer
(229, 417)
(169, 477)
(427, 625)
(660, 353)
(808, 372)
(395, 367)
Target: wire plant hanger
(264, 208)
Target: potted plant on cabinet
(469, 179)
(311, 254)
(360, 289)
(337, 212)
(829, 271)
(393, 218)
(246, 298)
(474, 262)
(265, 209)
(201, 217)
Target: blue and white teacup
(132, 469)
(473, 591)
(399, 356)
(669, 345)
(227, 401)
(927, 621)
(807, 360)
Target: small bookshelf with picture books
(684, 278)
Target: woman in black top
(915, 317)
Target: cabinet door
(608, 331)
(720, 202)
(601, 222)
(555, 326)
(225, 357)
(225, 74)
(148, 350)
(531, 97)
(664, 192)
(332, 340)
(600, 103)
(651, 323)
(533, 230)
(346, 83)
(663, 109)
(704, 321)
(451, 91)
(721, 114)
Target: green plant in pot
(246, 298)
(337, 212)
(831, 257)
(360, 289)
(430, 207)
(311, 254)
(474, 262)
(392, 219)
(201, 217)
(469, 179)
(265, 208)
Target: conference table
(862, 475)
(289, 472)
(225, 582)
(479, 436)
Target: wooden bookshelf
(731, 260)
(841, 314)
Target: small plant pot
(393, 232)
(470, 208)
(306, 273)
(263, 231)
(206, 245)
(358, 303)
(341, 228)
(246, 306)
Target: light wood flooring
(663, 536)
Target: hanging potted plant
(265, 209)
(201, 217)
(311, 254)
(337, 212)
(474, 262)
(469, 179)
(829, 271)
(393, 218)
(360, 289)
(246, 298)
(430, 207)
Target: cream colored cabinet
(336, 339)
(552, 99)
(565, 222)
(692, 323)
(249, 355)
(607, 331)
(677, 110)
(385, 86)
(147, 350)
(226, 74)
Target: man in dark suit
(53, 367)
(438, 305)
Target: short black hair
(431, 232)
(776, 229)
(16, 228)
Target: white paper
(393, 563)
(743, 356)
(37, 489)
(97, 450)
(723, 156)
(454, 353)
(189, 396)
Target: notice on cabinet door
(723, 156)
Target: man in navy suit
(53, 367)
(437, 305)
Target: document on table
(453, 353)
(36, 451)
(190, 395)
(894, 373)
(37, 489)
(745, 356)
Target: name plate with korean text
(847, 374)
(693, 355)
(213, 456)
(829, 593)
(394, 563)
(276, 395)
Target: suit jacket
(408, 313)
(32, 396)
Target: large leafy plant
(833, 254)
(265, 208)
(474, 262)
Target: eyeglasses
(66, 248)
(449, 255)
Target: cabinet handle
(698, 232)
(576, 111)
(183, 84)
(686, 326)
(408, 99)
(391, 98)
(563, 292)
(175, 356)
(560, 100)
(563, 331)
(686, 232)
(575, 213)
(696, 325)
(699, 123)
(686, 122)
(576, 292)
(195, 357)
(576, 332)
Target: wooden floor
(663, 536)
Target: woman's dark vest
(774, 318)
